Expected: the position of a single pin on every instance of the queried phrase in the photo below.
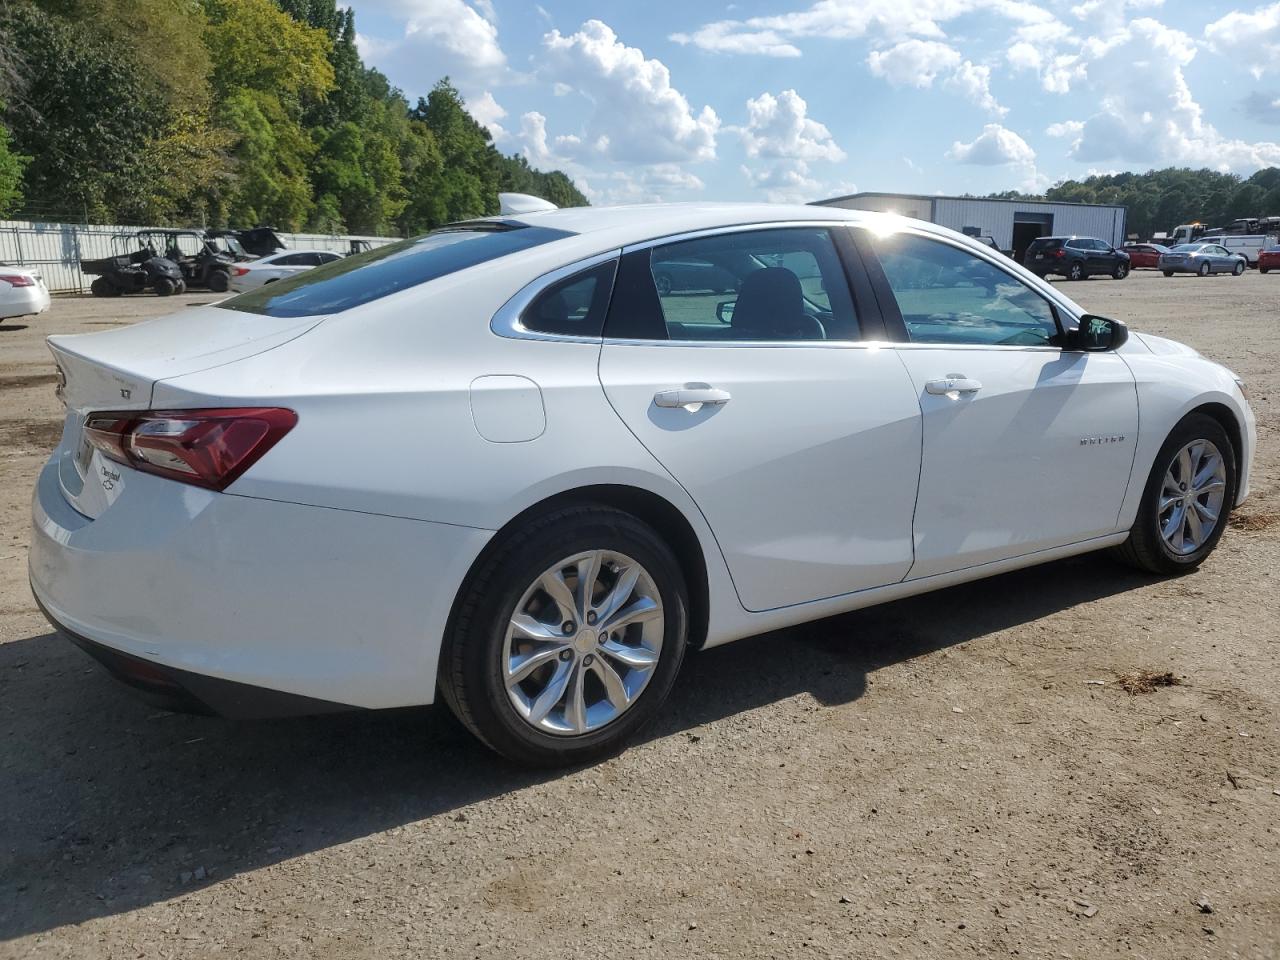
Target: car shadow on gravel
(109, 805)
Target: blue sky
(804, 99)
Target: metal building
(1013, 224)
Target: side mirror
(724, 311)
(1097, 334)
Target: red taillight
(208, 448)
(241, 271)
(17, 280)
(1059, 253)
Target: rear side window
(759, 285)
(1045, 244)
(574, 307)
(380, 272)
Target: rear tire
(164, 287)
(180, 287)
(1264, 269)
(1239, 269)
(1204, 270)
(1148, 548)
(1076, 272)
(219, 281)
(1168, 273)
(483, 640)
(102, 287)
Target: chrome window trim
(735, 228)
(506, 322)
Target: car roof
(637, 222)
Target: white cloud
(780, 127)
(1067, 128)
(995, 146)
(780, 132)
(722, 37)
(488, 112)
(441, 37)
(1249, 38)
(913, 63)
(918, 63)
(653, 184)
(1024, 56)
(974, 82)
(1157, 120)
(638, 115)
(889, 20)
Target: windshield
(351, 281)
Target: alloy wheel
(583, 643)
(1191, 497)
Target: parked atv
(134, 272)
(206, 262)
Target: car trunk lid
(118, 370)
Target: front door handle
(692, 397)
(952, 384)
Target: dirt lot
(955, 775)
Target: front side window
(772, 285)
(388, 269)
(947, 295)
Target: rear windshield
(1046, 243)
(385, 270)
(1188, 247)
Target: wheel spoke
(1168, 501)
(1173, 526)
(621, 592)
(588, 574)
(1194, 528)
(552, 693)
(526, 627)
(638, 658)
(552, 582)
(1206, 515)
(519, 667)
(614, 688)
(1207, 472)
(1184, 465)
(576, 706)
(642, 610)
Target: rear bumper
(179, 690)
(24, 302)
(176, 587)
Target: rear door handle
(689, 396)
(952, 384)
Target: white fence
(58, 248)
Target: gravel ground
(958, 774)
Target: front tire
(1168, 273)
(1187, 499)
(1121, 271)
(567, 638)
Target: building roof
(937, 196)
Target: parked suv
(1076, 258)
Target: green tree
(11, 167)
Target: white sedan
(22, 292)
(497, 464)
(278, 266)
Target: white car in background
(501, 465)
(277, 266)
(22, 292)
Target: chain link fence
(57, 249)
